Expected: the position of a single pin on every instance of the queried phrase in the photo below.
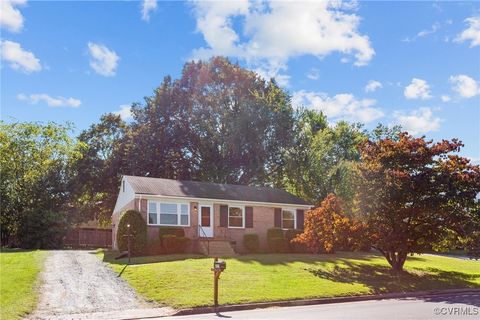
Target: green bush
(279, 245)
(176, 231)
(43, 229)
(251, 242)
(154, 247)
(273, 233)
(138, 230)
(173, 244)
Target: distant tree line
(219, 123)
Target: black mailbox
(219, 265)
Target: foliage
(295, 246)
(279, 245)
(323, 159)
(326, 227)
(273, 233)
(138, 231)
(412, 191)
(173, 244)
(35, 161)
(19, 282)
(176, 231)
(43, 229)
(251, 242)
(96, 177)
(273, 277)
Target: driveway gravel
(77, 282)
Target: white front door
(205, 221)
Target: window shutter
(300, 218)
(223, 216)
(248, 217)
(278, 218)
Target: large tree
(34, 169)
(414, 192)
(323, 159)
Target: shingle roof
(207, 190)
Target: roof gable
(207, 190)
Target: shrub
(279, 245)
(273, 233)
(294, 246)
(173, 244)
(138, 229)
(43, 229)
(251, 242)
(176, 231)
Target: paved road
(77, 282)
(434, 307)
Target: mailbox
(219, 265)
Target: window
(288, 219)
(235, 217)
(168, 213)
(152, 213)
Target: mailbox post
(218, 267)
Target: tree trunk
(395, 259)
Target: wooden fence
(88, 238)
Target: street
(460, 306)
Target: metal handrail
(206, 237)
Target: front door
(205, 218)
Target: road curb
(306, 302)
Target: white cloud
(147, 7)
(465, 86)
(313, 74)
(273, 32)
(11, 18)
(423, 33)
(342, 106)
(124, 112)
(417, 89)
(472, 33)
(103, 60)
(418, 121)
(50, 101)
(373, 85)
(445, 98)
(18, 58)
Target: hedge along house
(215, 216)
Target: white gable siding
(124, 195)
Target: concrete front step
(215, 247)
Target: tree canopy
(413, 192)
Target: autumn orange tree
(325, 226)
(414, 192)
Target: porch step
(215, 247)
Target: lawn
(186, 280)
(18, 282)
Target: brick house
(213, 215)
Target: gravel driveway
(78, 282)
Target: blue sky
(411, 63)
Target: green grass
(186, 280)
(18, 282)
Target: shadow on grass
(109, 257)
(381, 279)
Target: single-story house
(209, 211)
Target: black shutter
(278, 218)
(223, 216)
(248, 217)
(300, 218)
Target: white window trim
(243, 216)
(179, 213)
(294, 218)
